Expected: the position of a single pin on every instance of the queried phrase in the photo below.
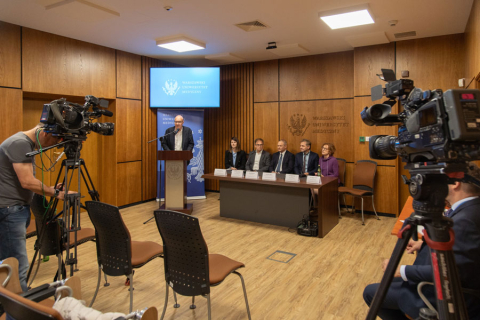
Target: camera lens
(105, 128)
(383, 147)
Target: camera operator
(402, 297)
(17, 185)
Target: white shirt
(256, 164)
(179, 140)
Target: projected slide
(185, 87)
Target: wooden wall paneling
(129, 186)
(128, 127)
(266, 124)
(10, 55)
(107, 149)
(361, 129)
(386, 191)
(64, 66)
(266, 81)
(129, 75)
(326, 76)
(10, 112)
(324, 121)
(472, 44)
(433, 63)
(368, 62)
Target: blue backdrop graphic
(194, 120)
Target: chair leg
(209, 307)
(339, 211)
(363, 221)
(193, 306)
(98, 286)
(106, 284)
(176, 305)
(345, 201)
(373, 205)
(131, 292)
(166, 302)
(244, 293)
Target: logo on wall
(196, 163)
(171, 87)
(298, 124)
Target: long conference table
(278, 202)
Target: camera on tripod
(67, 119)
(435, 127)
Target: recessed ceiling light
(347, 17)
(180, 44)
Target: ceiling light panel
(347, 17)
(180, 44)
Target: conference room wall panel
(266, 81)
(129, 75)
(266, 117)
(325, 76)
(129, 186)
(59, 65)
(129, 128)
(368, 62)
(108, 165)
(235, 117)
(10, 55)
(472, 46)
(361, 149)
(319, 121)
(10, 112)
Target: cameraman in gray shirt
(17, 185)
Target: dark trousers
(389, 309)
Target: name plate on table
(294, 178)
(314, 180)
(220, 172)
(237, 174)
(269, 176)
(251, 175)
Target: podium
(176, 180)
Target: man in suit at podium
(178, 138)
(306, 161)
(258, 159)
(287, 159)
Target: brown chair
(189, 269)
(117, 254)
(363, 183)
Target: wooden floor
(325, 279)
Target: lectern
(176, 180)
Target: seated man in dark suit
(402, 297)
(306, 161)
(182, 140)
(258, 159)
(287, 159)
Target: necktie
(304, 167)
(279, 163)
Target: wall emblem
(171, 87)
(298, 124)
(196, 169)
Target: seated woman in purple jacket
(328, 163)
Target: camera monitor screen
(184, 87)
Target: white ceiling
(291, 22)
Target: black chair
(189, 269)
(117, 254)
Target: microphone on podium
(174, 133)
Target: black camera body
(68, 119)
(307, 228)
(435, 126)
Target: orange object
(406, 212)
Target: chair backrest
(21, 308)
(13, 285)
(342, 166)
(49, 236)
(185, 253)
(364, 175)
(114, 248)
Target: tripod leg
(401, 245)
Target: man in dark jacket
(181, 140)
(402, 297)
(283, 160)
(306, 161)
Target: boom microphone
(104, 112)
